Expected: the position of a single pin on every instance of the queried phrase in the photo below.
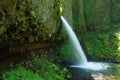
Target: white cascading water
(79, 53)
(80, 56)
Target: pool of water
(94, 66)
(96, 71)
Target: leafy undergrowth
(21, 74)
(103, 45)
(66, 53)
(38, 69)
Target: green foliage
(48, 70)
(61, 7)
(97, 45)
(2, 30)
(66, 53)
(20, 74)
(102, 45)
(38, 69)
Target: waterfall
(79, 54)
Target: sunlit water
(79, 54)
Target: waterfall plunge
(79, 54)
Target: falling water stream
(79, 53)
(80, 56)
(85, 70)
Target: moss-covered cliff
(28, 20)
(67, 10)
(24, 21)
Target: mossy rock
(28, 20)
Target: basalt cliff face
(32, 21)
(28, 21)
(24, 21)
(29, 25)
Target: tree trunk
(97, 14)
(78, 16)
(115, 11)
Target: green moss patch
(28, 21)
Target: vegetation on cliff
(29, 25)
(28, 21)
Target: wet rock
(101, 76)
(80, 74)
(28, 21)
(111, 73)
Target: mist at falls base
(81, 60)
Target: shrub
(38, 69)
(103, 45)
(66, 53)
(20, 74)
(48, 70)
